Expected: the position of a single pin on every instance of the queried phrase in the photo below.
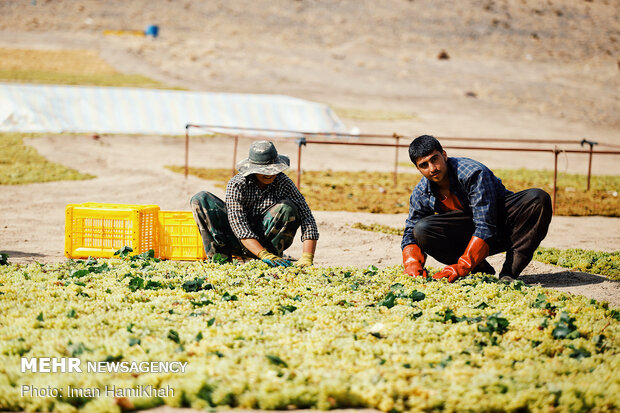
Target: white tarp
(86, 109)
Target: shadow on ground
(21, 254)
(564, 279)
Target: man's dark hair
(423, 146)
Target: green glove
(306, 260)
(273, 260)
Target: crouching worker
(460, 213)
(262, 212)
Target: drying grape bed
(258, 337)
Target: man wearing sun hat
(262, 212)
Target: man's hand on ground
(451, 272)
(477, 250)
(413, 261)
(273, 260)
(415, 270)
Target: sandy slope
(555, 58)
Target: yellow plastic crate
(98, 230)
(179, 237)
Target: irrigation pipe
(303, 141)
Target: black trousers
(523, 224)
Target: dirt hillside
(554, 58)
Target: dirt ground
(131, 170)
(514, 71)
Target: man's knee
(288, 210)
(539, 196)
(203, 199)
(422, 231)
(540, 200)
(197, 199)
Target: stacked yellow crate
(98, 230)
(179, 236)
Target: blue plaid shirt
(478, 190)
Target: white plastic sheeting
(46, 108)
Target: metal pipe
(513, 140)
(397, 145)
(589, 168)
(343, 134)
(300, 142)
(296, 132)
(611, 145)
(556, 152)
(299, 166)
(324, 142)
(532, 150)
(591, 143)
(396, 160)
(186, 150)
(481, 148)
(234, 165)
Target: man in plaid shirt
(262, 212)
(460, 213)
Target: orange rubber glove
(477, 250)
(413, 260)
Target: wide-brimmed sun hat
(263, 159)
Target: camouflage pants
(276, 227)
